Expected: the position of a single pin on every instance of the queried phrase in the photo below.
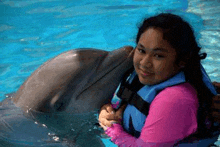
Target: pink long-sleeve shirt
(172, 117)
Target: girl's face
(154, 58)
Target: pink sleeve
(172, 117)
(123, 139)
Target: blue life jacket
(138, 102)
(133, 119)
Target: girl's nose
(146, 62)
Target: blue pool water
(31, 32)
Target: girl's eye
(141, 50)
(159, 56)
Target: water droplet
(44, 125)
(90, 130)
(35, 122)
(56, 138)
(51, 134)
(72, 129)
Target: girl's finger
(120, 111)
(122, 108)
(105, 122)
(110, 109)
(109, 117)
(103, 126)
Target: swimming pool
(31, 32)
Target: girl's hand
(109, 116)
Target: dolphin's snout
(128, 49)
(121, 54)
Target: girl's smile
(145, 73)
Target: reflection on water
(209, 11)
(31, 128)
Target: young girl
(168, 92)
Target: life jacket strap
(134, 99)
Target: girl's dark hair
(180, 36)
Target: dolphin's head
(65, 92)
(79, 80)
(100, 83)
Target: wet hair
(179, 34)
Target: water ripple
(46, 10)
(4, 68)
(4, 27)
(15, 3)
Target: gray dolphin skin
(76, 81)
(63, 96)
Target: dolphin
(66, 92)
(77, 81)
